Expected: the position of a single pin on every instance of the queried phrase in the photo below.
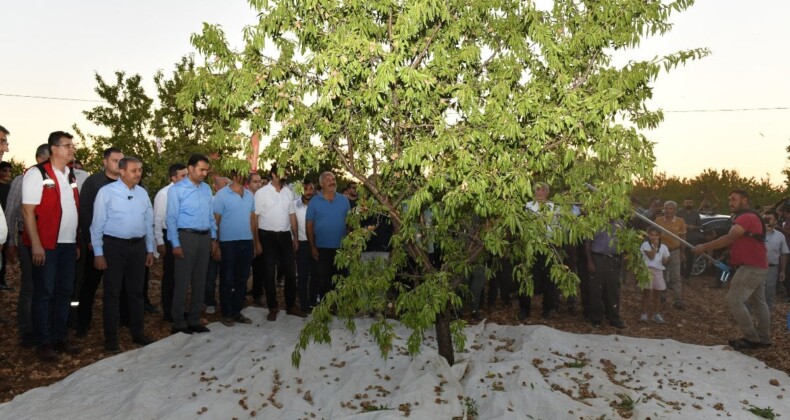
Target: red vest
(49, 211)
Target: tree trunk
(443, 337)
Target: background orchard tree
(159, 134)
(448, 113)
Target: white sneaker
(210, 310)
(658, 319)
(643, 318)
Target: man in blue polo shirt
(326, 227)
(193, 232)
(122, 235)
(234, 211)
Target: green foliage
(447, 113)
(711, 185)
(159, 136)
(766, 413)
(17, 167)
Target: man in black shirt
(91, 277)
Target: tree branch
(418, 59)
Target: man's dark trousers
(168, 271)
(278, 249)
(604, 288)
(91, 277)
(307, 270)
(125, 268)
(234, 272)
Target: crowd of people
(71, 231)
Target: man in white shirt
(540, 272)
(277, 231)
(777, 257)
(306, 267)
(177, 172)
(49, 208)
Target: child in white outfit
(656, 255)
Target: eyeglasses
(68, 146)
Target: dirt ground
(705, 321)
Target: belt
(772, 265)
(195, 231)
(615, 256)
(276, 232)
(129, 240)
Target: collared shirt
(160, 214)
(189, 207)
(776, 245)
(329, 219)
(13, 214)
(675, 225)
(691, 217)
(124, 213)
(301, 212)
(605, 241)
(274, 208)
(235, 211)
(32, 191)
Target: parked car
(713, 226)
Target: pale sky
(52, 48)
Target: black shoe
(175, 330)
(595, 324)
(26, 341)
(619, 324)
(198, 329)
(46, 353)
(150, 309)
(167, 318)
(81, 332)
(66, 347)
(142, 340)
(545, 315)
(4, 286)
(523, 316)
(477, 316)
(744, 344)
(111, 346)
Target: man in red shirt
(748, 254)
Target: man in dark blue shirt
(192, 230)
(122, 235)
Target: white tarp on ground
(506, 372)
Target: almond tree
(448, 113)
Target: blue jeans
(53, 284)
(234, 272)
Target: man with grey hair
(14, 251)
(325, 222)
(677, 226)
(122, 235)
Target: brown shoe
(272, 316)
(46, 353)
(242, 319)
(228, 321)
(296, 312)
(66, 347)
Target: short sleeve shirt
(776, 245)
(329, 219)
(657, 261)
(32, 191)
(747, 250)
(235, 211)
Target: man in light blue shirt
(234, 211)
(122, 235)
(192, 231)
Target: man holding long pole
(749, 255)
